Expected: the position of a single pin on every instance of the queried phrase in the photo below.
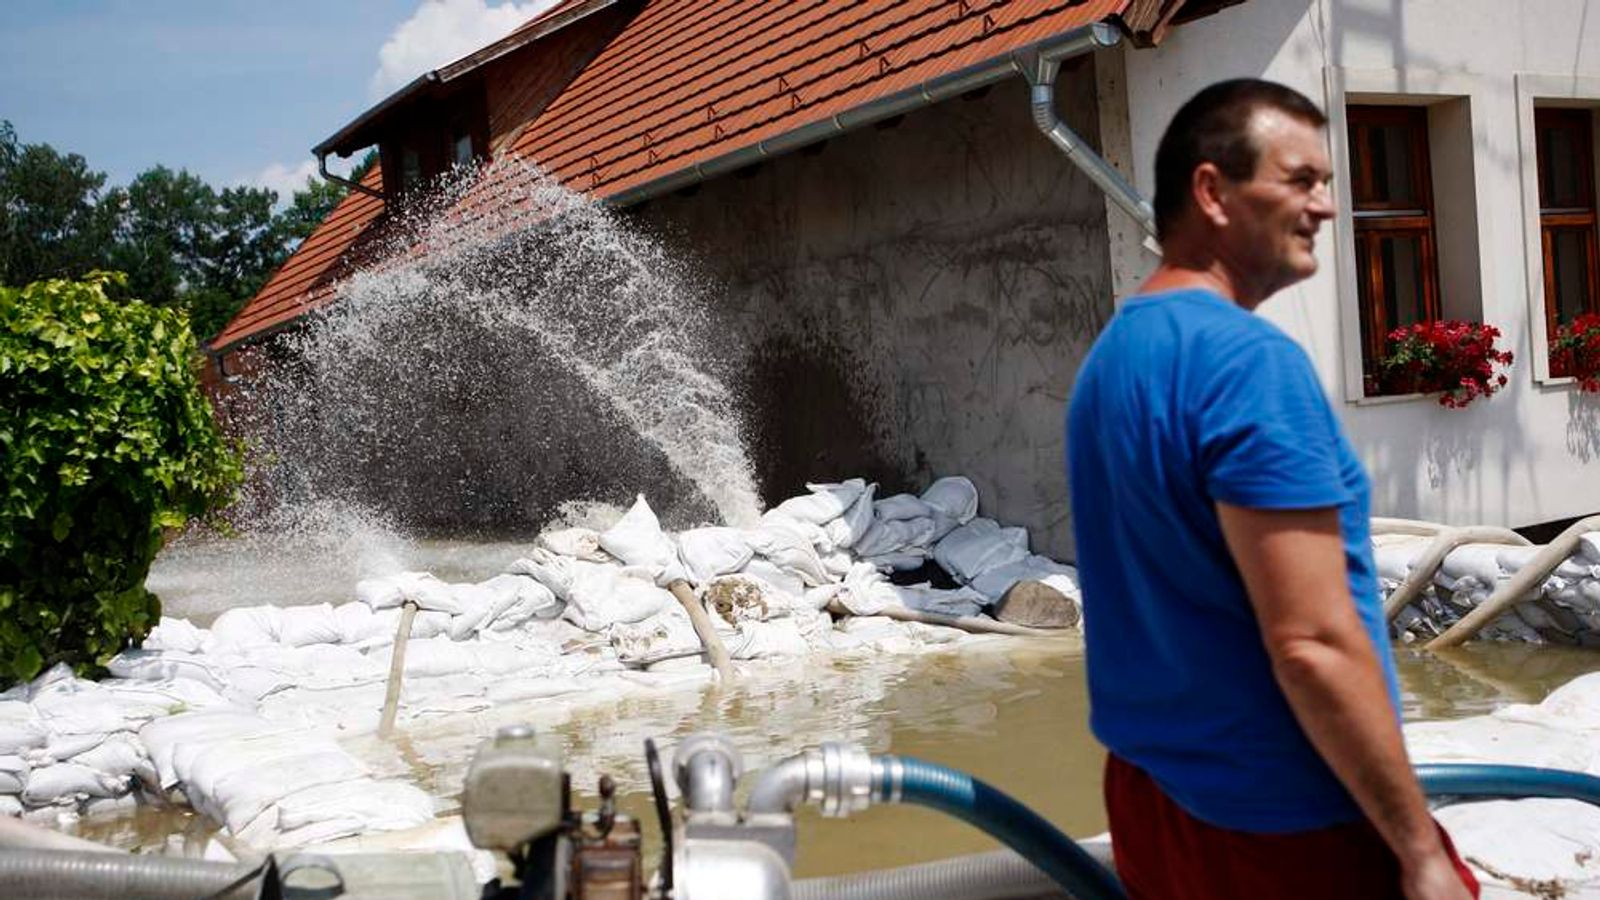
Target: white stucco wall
(1531, 453)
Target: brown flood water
(1013, 713)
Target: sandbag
(866, 592)
(709, 552)
(80, 707)
(247, 626)
(166, 665)
(58, 747)
(175, 634)
(552, 570)
(893, 537)
(1393, 560)
(901, 506)
(20, 728)
(65, 782)
(529, 600)
(118, 756)
(432, 657)
(421, 588)
(824, 503)
(1589, 547)
(430, 623)
(637, 539)
(955, 496)
(848, 528)
(602, 596)
(994, 582)
(301, 626)
(762, 639)
(908, 560)
(240, 777)
(13, 774)
(786, 546)
(781, 579)
(923, 598)
(1476, 561)
(360, 806)
(578, 543)
(163, 738)
(143, 700)
(667, 632)
(979, 546)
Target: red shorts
(1163, 852)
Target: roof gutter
(1038, 62)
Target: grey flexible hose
(999, 875)
(84, 875)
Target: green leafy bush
(105, 441)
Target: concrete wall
(1531, 453)
(914, 301)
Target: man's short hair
(1214, 127)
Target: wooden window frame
(1375, 219)
(1579, 122)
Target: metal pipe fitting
(706, 767)
(837, 778)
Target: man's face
(1273, 218)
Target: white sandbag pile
(238, 719)
(1550, 845)
(70, 746)
(1564, 609)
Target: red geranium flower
(1456, 359)
(1575, 351)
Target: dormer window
(432, 136)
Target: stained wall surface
(913, 301)
(1531, 453)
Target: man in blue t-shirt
(1239, 666)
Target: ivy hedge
(106, 442)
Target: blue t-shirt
(1185, 400)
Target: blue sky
(232, 90)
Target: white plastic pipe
(1518, 586)
(397, 670)
(1423, 570)
(716, 653)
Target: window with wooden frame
(1564, 141)
(1391, 188)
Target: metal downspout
(1041, 77)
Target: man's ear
(1207, 187)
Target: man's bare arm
(1293, 566)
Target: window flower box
(1456, 360)
(1575, 351)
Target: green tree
(181, 242)
(53, 222)
(163, 228)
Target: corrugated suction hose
(87, 875)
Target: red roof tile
(688, 81)
(307, 278)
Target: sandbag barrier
(238, 720)
(1445, 585)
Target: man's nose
(1322, 205)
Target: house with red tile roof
(918, 214)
